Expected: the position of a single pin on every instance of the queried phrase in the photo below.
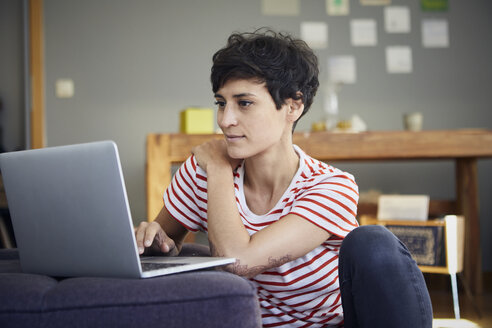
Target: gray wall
(136, 64)
(11, 75)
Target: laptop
(71, 216)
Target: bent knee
(371, 242)
(369, 235)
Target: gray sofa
(195, 299)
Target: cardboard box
(403, 207)
(197, 120)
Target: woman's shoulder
(315, 171)
(191, 170)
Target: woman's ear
(296, 107)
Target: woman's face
(249, 118)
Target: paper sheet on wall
(337, 7)
(342, 69)
(363, 32)
(315, 34)
(435, 33)
(397, 19)
(280, 7)
(375, 2)
(434, 5)
(399, 59)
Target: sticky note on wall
(197, 120)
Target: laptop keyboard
(156, 266)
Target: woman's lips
(233, 137)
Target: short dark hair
(287, 65)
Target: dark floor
(442, 303)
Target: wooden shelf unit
(464, 147)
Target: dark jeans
(380, 283)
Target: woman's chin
(235, 153)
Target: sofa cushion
(206, 298)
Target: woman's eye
(245, 103)
(220, 104)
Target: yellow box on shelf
(194, 120)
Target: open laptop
(71, 216)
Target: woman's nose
(227, 117)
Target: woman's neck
(268, 175)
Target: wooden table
(463, 147)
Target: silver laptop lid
(70, 211)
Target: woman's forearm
(226, 231)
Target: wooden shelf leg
(158, 168)
(467, 203)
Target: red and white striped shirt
(304, 292)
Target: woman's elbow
(241, 268)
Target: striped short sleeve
(330, 203)
(186, 196)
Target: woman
(282, 214)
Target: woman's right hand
(152, 240)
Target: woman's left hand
(214, 152)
